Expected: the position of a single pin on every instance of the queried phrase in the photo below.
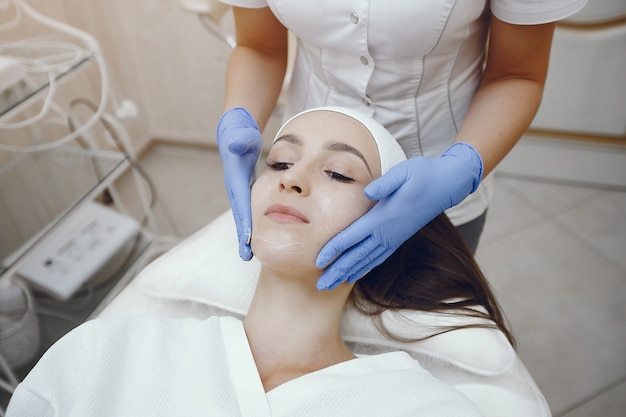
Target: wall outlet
(93, 237)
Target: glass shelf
(38, 189)
(39, 193)
(35, 83)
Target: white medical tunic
(142, 366)
(412, 65)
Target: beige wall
(159, 56)
(585, 93)
(579, 133)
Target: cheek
(259, 195)
(337, 213)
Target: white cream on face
(309, 166)
(331, 211)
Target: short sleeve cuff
(534, 12)
(249, 4)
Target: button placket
(364, 58)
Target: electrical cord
(90, 288)
(32, 65)
(12, 380)
(10, 383)
(51, 65)
(113, 127)
(57, 314)
(105, 93)
(121, 140)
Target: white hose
(94, 50)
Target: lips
(286, 214)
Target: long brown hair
(433, 271)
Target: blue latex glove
(239, 142)
(410, 195)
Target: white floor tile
(508, 212)
(611, 403)
(602, 223)
(549, 198)
(566, 307)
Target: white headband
(388, 148)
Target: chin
(284, 256)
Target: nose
(294, 179)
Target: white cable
(6, 386)
(143, 197)
(123, 136)
(104, 95)
(37, 66)
(12, 379)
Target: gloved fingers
(243, 221)
(347, 238)
(334, 285)
(384, 186)
(244, 234)
(245, 251)
(375, 258)
(338, 270)
(246, 141)
(468, 163)
(329, 280)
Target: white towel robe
(142, 366)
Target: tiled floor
(555, 254)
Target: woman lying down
(286, 358)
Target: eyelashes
(339, 177)
(281, 166)
(277, 165)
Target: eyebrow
(331, 146)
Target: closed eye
(278, 165)
(281, 166)
(339, 177)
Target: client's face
(312, 188)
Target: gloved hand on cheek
(409, 195)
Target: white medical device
(91, 244)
